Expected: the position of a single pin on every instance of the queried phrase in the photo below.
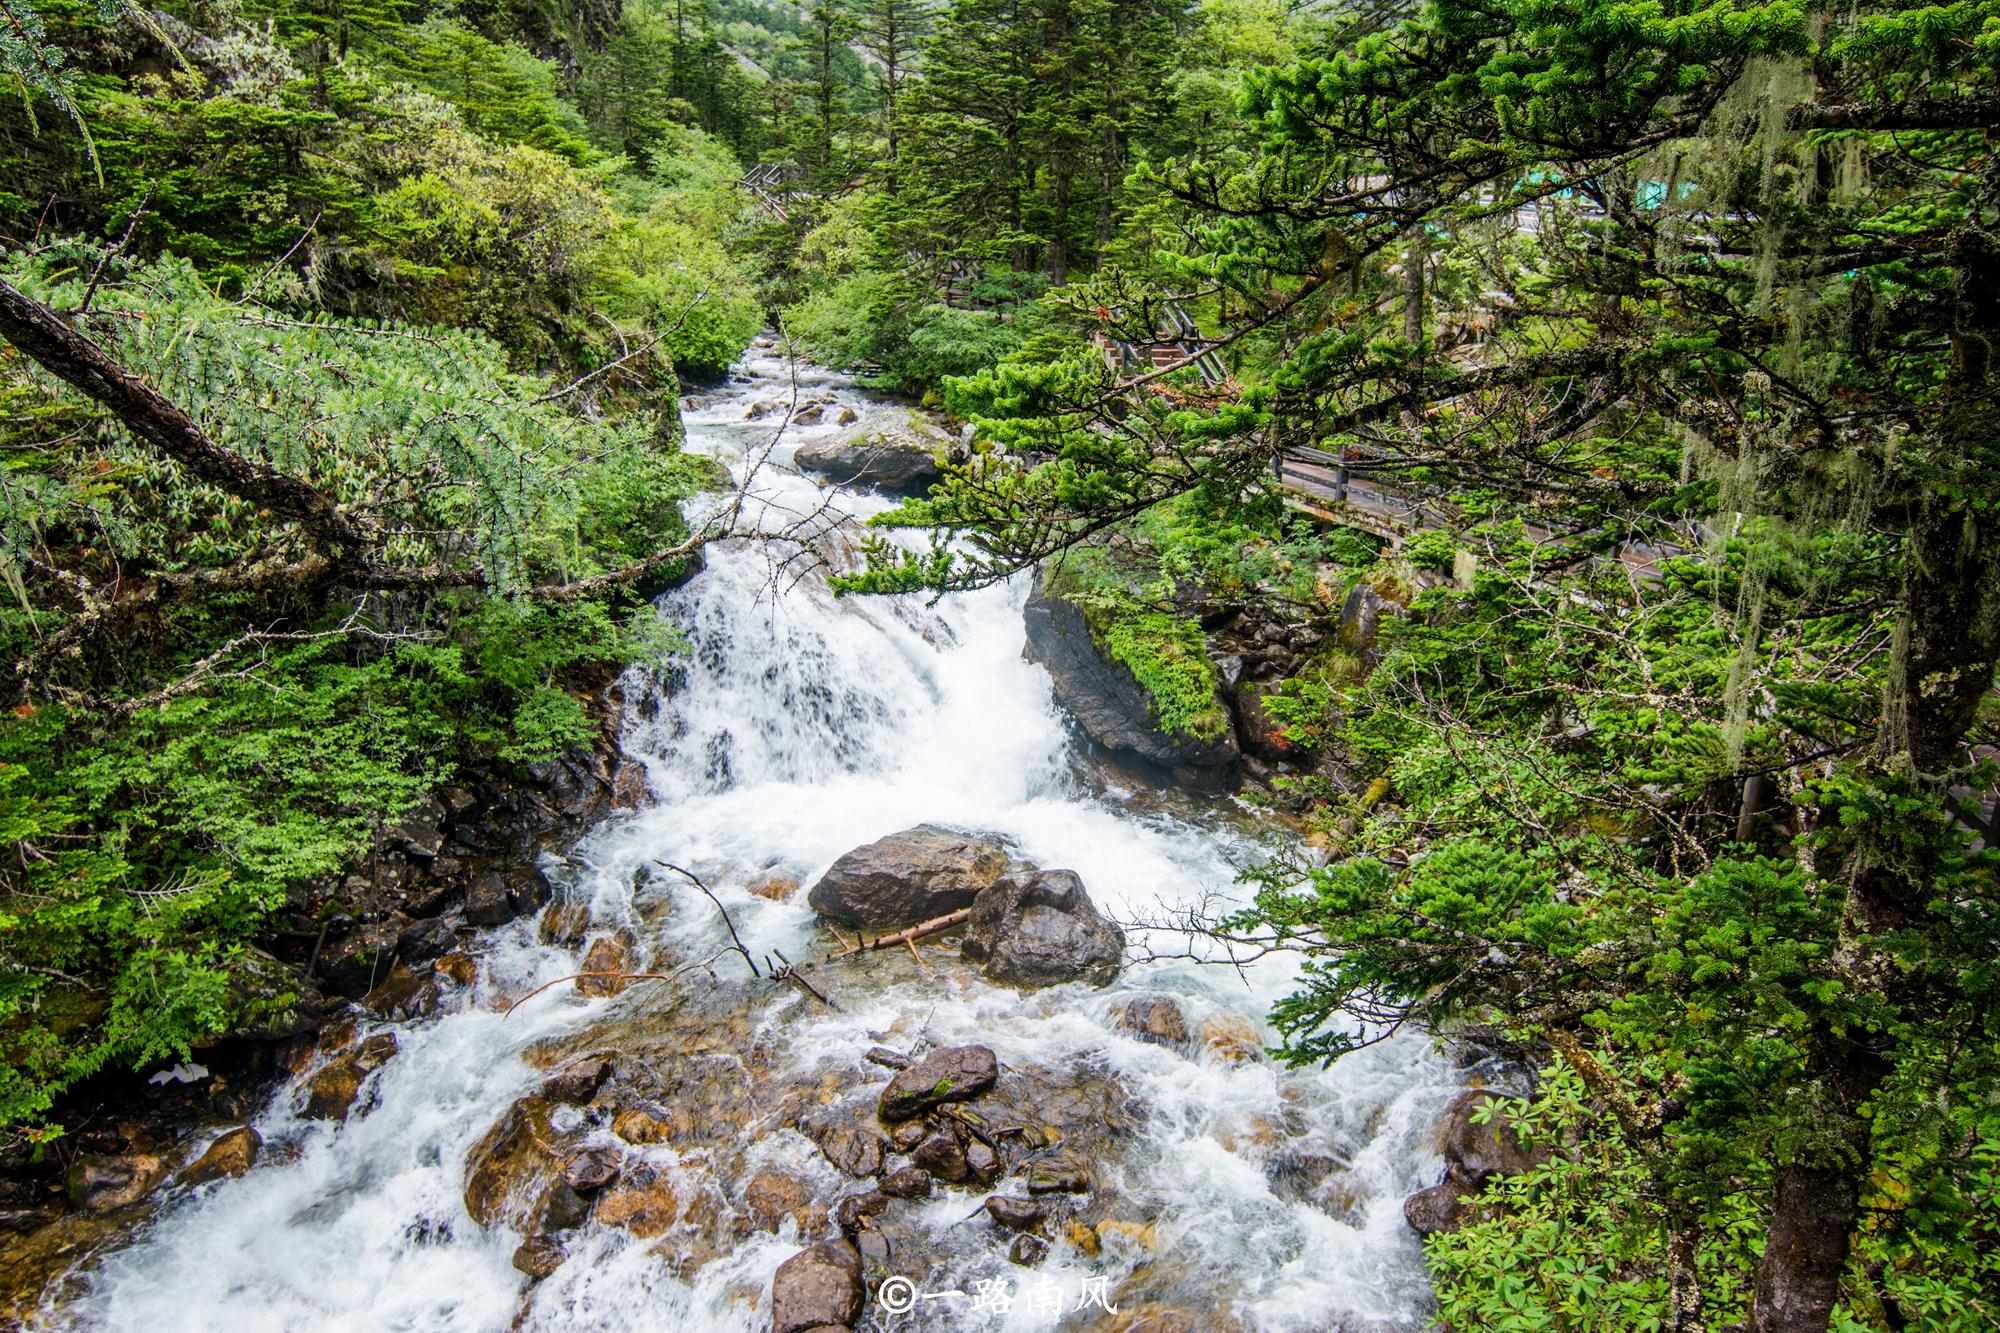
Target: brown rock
(982, 1164)
(509, 1163)
(854, 1148)
(907, 1134)
(228, 1157)
(539, 1256)
(1444, 1207)
(815, 1287)
(459, 967)
(1027, 1251)
(778, 888)
(1231, 1039)
(642, 1202)
(331, 1093)
(590, 1170)
(605, 955)
(943, 1156)
(1039, 928)
(773, 1196)
(635, 1125)
(1153, 1018)
(100, 1184)
(948, 1074)
(1017, 1214)
(565, 922)
(853, 1212)
(1477, 1151)
(907, 877)
(578, 1081)
(908, 1182)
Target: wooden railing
(1180, 345)
(771, 186)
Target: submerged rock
(1152, 1018)
(948, 1074)
(817, 1287)
(907, 877)
(1040, 928)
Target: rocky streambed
(1027, 1110)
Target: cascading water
(794, 728)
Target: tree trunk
(1805, 1251)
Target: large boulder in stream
(1039, 928)
(900, 456)
(817, 1288)
(907, 877)
(1107, 701)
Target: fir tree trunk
(1805, 1250)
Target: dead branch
(908, 935)
(727, 920)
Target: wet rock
(907, 877)
(332, 1091)
(494, 899)
(460, 968)
(816, 1287)
(539, 1256)
(1104, 699)
(852, 1147)
(422, 941)
(772, 1197)
(578, 1081)
(1027, 1251)
(1060, 1174)
(407, 993)
(888, 1059)
(1039, 928)
(1152, 1018)
(638, 1125)
(556, 1208)
(947, 1074)
(604, 955)
(590, 1170)
(99, 1184)
(565, 922)
(757, 411)
(852, 1213)
(1297, 1176)
(232, 1154)
(777, 888)
(509, 1163)
(631, 789)
(907, 1134)
(1017, 1214)
(942, 1154)
(810, 415)
(1231, 1039)
(353, 963)
(1442, 1207)
(907, 1182)
(848, 416)
(982, 1163)
(643, 1202)
(899, 457)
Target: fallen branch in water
(621, 976)
(909, 935)
(695, 880)
(790, 972)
